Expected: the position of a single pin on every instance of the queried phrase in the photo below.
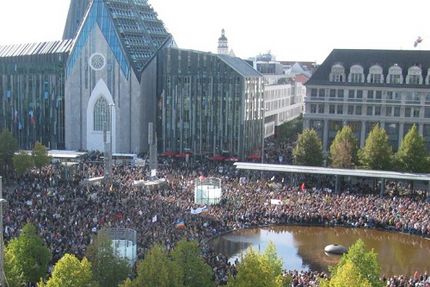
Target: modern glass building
(32, 92)
(208, 104)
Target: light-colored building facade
(283, 103)
(361, 88)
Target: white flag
(154, 218)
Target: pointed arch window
(101, 115)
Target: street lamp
(2, 201)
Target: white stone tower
(223, 44)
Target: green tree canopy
(22, 162)
(377, 152)
(8, 146)
(412, 155)
(364, 264)
(108, 269)
(343, 150)
(40, 155)
(290, 130)
(27, 256)
(308, 150)
(156, 270)
(193, 270)
(258, 270)
(70, 272)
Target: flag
(302, 186)
(154, 218)
(199, 210)
(180, 224)
(275, 202)
(417, 41)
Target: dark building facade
(208, 104)
(32, 92)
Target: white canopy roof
(333, 171)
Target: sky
(304, 30)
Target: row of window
(389, 111)
(370, 95)
(376, 76)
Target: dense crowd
(67, 212)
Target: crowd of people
(69, 211)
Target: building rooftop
(240, 66)
(367, 58)
(42, 48)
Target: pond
(302, 247)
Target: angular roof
(367, 58)
(131, 28)
(240, 66)
(42, 48)
(75, 16)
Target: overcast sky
(292, 30)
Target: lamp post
(2, 201)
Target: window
(351, 94)
(408, 112)
(339, 109)
(332, 109)
(313, 92)
(397, 111)
(340, 93)
(337, 73)
(359, 94)
(414, 76)
(321, 108)
(375, 75)
(322, 93)
(332, 93)
(370, 95)
(313, 108)
(395, 75)
(378, 95)
(369, 111)
(358, 110)
(101, 115)
(377, 111)
(350, 110)
(388, 111)
(356, 74)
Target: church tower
(223, 44)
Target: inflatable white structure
(207, 190)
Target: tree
(70, 272)
(412, 154)
(365, 266)
(27, 256)
(108, 269)
(156, 270)
(22, 162)
(347, 275)
(258, 270)
(343, 150)
(40, 155)
(8, 146)
(193, 270)
(308, 150)
(377, 152)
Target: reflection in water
(302, 248)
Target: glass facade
(207, 105)
(32, 98)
